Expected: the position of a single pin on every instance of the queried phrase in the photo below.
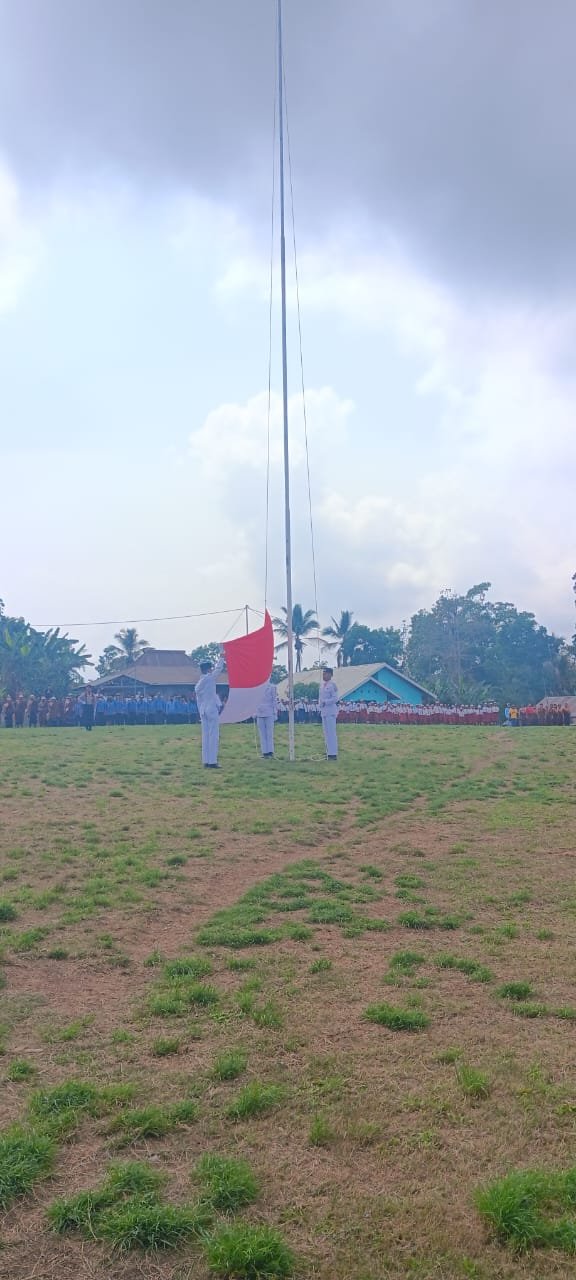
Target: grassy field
(283, 1019)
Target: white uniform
(266, 714)
(209, 708)
(328, 701)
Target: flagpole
(290, 636)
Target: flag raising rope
(249, 663)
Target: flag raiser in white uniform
(208, 704)
(328, 702)
(266, 714)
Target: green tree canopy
(115, 657)
(206, 652)
(33, 661)
(466, 648)
(306, 692)
(368, 644)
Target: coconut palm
(304, 622)
(129, 648)
(337, 633)
(130, 644)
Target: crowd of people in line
(49, 711)
(549, 713)
(102, 710)
(404, 713)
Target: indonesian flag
(249, 663)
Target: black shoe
(332, 757)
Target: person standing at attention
(208, 704)
(87, 702)
(266, 714)
(328, 703)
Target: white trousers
(210, 738)
(266, 731)
(330, 736)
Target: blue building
(369, 682)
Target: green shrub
(255, 1099)
(188, 967)
(125, 1180)
(387, 1015)
(138, 1224)
(529, 1009)
(247, 1252)
(25, 1156)
(268, 1015)
(477, 972)
(200, 993)
(515, 991)
(474, 1084)
(167, 1005)
(65, 1100)
(406, 961)
(163, 1047)
(20, 1070)
(321, 1132)
(228, 1184)
(430, 918)
(532, 1209)
(228, 1066)
(152, 1121)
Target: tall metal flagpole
(291, 750)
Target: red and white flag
(249, 662)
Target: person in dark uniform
(87, 701)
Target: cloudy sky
(433, 151)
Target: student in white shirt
(328, 702)
(266, 714)
(209, 707)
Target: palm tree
(303, 623)
(130, 645)
(337, 632)
(116, 656)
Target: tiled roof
(157, 667)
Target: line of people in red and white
(407, 713)
(49, 711)
(549, 713)
(395, 713)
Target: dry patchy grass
(116, 854)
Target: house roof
(158, 667)
(348, 679)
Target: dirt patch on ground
(387, 1190)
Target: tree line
(464, 649)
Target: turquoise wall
(400, 690)
(367, 692)
(394, 680)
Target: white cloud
(18, 244)
(236, 435)
(497, 389)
